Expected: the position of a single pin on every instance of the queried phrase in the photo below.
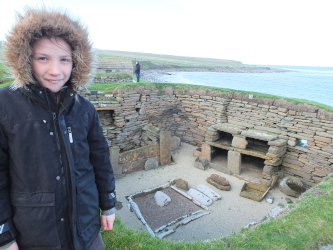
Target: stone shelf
(259, 152)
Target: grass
(5, 80)
(155, 61)
(120, 75)
(308, 225)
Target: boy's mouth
(54, 81)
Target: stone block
(197, 152)
(239, 142)
(229, 128)
(219, 179)
(131, 167)
(278, 142)
(151, 163)
(162, 199)
(206, 151)
(218, 186)
(175, 143)
(182, 184)
(276, 150)
(114, 158)
(234, 162)
(142, 110)
(201, 163)
(165, 147)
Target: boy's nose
(54, 68)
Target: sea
(301, 82)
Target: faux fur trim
(35, 23)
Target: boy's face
(52, 62)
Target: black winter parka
(55, 170)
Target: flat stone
(175, 143)
(239, 142)
(328, 247)
(220, 179)
(200, 197)
(260, 135)
(114, 158)
(165, 147)
(275, 211)
(229, 128)
(201, 163)
(143, 109)
(209, 192)
(151, 163)
(278, 142)
(206, 151)
(218, 186)
(234, 161)
(162, 199)
(182, 184)
(270, 199)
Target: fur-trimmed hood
(34, 24)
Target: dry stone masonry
(292, 139)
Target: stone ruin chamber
(244, 150)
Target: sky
(260, 32)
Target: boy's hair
(34, 24)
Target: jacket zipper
(70, 135)
(65, 163)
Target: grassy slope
(148, 60)
(4, 75)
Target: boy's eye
(42, 58)
(65, 60)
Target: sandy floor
(227, 215)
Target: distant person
(55, 169)
(137, 71)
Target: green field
(157, 61)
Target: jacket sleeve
(100, 159)
(7, 229)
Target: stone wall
(190, 114)
(112, 78)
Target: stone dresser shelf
(224, 144)
(241, 140)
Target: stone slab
(206, 151)
(165, 147)
(200, 197)
(260, 135)
(234, 162)
(151, 163)
(209, 192)
(114, 158)
(239, 142)
(229, 128)
(140, 153)
(201, 163)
